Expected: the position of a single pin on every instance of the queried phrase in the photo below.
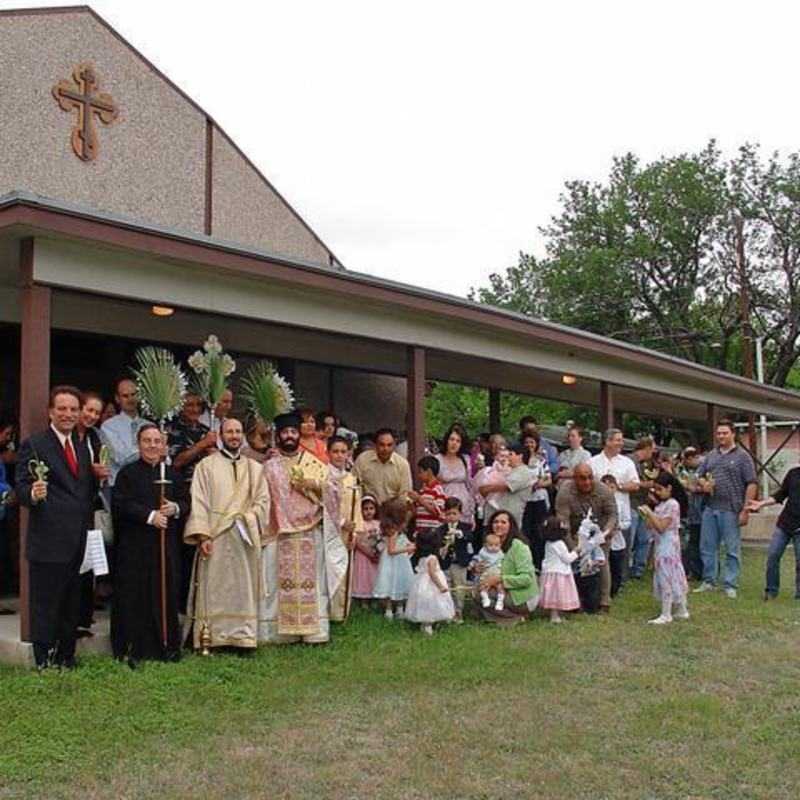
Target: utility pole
(762, 419)
(747, 330)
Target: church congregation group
(266, 535)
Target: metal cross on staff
(163, 482)
(88, 103)
(355, 490)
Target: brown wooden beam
(34, 365)
(494, 410)
(415, 406)
(607, 418)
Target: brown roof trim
(76, 224)
(22, 12)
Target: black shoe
(768, 597)
(68, 665)
(42, 656)
(133, 663)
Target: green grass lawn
(600, 707)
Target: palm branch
(160, 382)
(265, 392)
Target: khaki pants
(605, 579)
(457, 578)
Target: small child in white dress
(490, 557)
(429, 598)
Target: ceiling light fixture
(162, 311)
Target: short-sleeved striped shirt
(732, 472)
(425, 519)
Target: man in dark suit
(60, 514)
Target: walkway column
(415, 406)
(606, 407)
(712, 417)
(34, 365)
(494, 411)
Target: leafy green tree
(766, 194)
(447, 403)
(649, 256)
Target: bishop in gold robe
(304, 561)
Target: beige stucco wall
(247, 210)
(151, 161)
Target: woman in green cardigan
(517, 576)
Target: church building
(128, 216)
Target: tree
(649, 256)
(447, 403)
(767, 196)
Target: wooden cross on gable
(88, 102)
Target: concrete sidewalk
(20, 654)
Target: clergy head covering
(290, 420)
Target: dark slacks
(533, 520)
(616, 563)
(86, 613)
(589, 592)
(693, 564)
(55, 597)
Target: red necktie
(72, 462)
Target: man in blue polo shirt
(727, 476)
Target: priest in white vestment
(349, 522)
(229, 513)
(304, 560)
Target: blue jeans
(720, 527)
(641, 536)
(780, 539)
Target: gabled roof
(50, 10)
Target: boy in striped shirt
(430, 500)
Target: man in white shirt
(610, 461)
(120, 432)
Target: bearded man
(304, 560)
(230, 507)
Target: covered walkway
(66, 269)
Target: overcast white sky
(427, 141)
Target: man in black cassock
(139, 517)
